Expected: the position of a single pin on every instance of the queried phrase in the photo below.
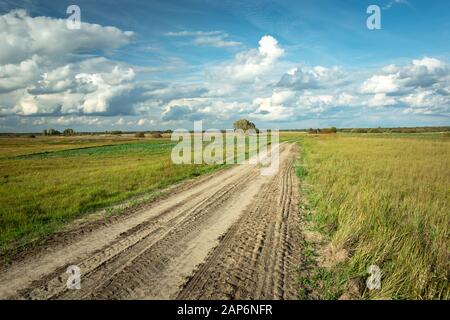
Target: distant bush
(358, 130)
(139, 135)
(244, 125)
(407, 130)
(51, 132)
(374, 130)
(323, 131)
(156, 135)
(116, 132)
(69, 132)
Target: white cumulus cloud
(251, 64)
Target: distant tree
(116, 132)
(359, 130)
(156, 135)
(51, 132)
(244, 124)
(333, 129)
(68, 132)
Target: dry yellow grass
(387, 201)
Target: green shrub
(51, 132)
(359, 130)
(69, 132)
(156, 135)
(244, 125)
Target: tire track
(116, 257)
(257, 256)
(232, 236)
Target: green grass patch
(40, 192)
(47, 182)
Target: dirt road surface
(233, 234)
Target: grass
(386, 200)
(421, 135)
(43, 190)
(10, 147)
(46, 182)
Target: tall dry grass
(387, 202)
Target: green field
(46, 182)
(385, 200)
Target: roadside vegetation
(379, 200)
(22, 145)
(51, 181)
(48, 181)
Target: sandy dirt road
(233, 234)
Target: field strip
(151, 253)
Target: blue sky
(282, 64)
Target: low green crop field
(10, 146)
(384, 198)
(386, 201)
(47, 182)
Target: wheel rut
(233, 235)
(258, 255)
